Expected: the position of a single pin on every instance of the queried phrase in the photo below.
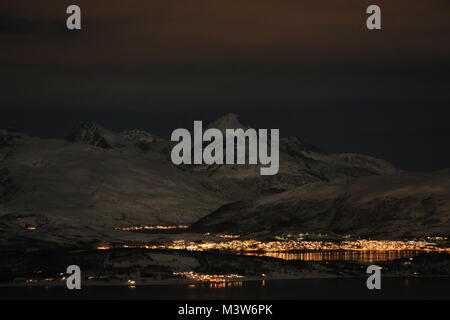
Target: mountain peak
(90, 133)
(228, 121)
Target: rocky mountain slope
(100, 180)
(300, 164)
(96, 179)
(402, 205)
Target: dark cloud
(12, 26)
(310, 68)
(138, 33)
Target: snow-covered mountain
(402, 205)
(97, 179)
(300, 163)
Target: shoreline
(182, 282)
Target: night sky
(310, 68)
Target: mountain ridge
(402, 205)
(97, 179)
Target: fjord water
(336, 288)
(342, 255)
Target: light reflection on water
(320, 288)
(217, 285)
(359, 256)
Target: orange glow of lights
(103, 248)
(137, 228)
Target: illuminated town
(218, 278)
(289, 243)
(292, 246)
(227, 236)
(139, 228)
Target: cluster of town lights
(215, 278)
(291, 245)
(138, 228)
